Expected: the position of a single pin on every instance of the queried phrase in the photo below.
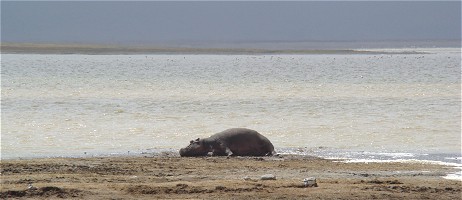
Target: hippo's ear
(197, 140)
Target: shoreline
(89, 49)
(170, 176)
(445, 160)
(353, 155)
(450, 160)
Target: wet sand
(169, 176)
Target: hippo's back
(245, 142)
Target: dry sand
(169, 176)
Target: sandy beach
(93, 49)
(169, 176)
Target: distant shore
(33, 48)
(170, 176)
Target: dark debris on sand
(43, 192)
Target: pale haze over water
(192, 23)
(68, 105)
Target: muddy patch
(43, 192)
(186, 189)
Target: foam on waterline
(455, 176)
(451, 176)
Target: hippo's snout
(190, 152)
(183, 152)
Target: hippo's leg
(221, 150)
(219, 153)
(229, 152)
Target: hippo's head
(195, 148)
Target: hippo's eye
(190, 142)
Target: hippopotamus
(231, 142)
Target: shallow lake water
(375, 104)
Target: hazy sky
(163, 22)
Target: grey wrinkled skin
(231, 142)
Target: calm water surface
(380, 104)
